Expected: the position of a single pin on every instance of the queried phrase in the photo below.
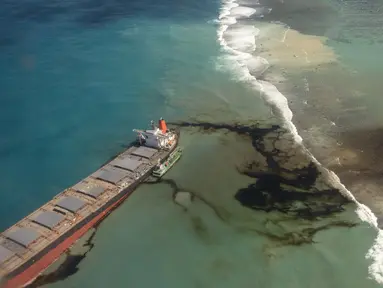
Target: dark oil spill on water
(70, 265)
(283, 178)
(285, 181)
(305, 236)
(67, 268)
(288, 176)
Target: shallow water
(337, 105)
(216, 241)
(97, 71)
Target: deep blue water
(76, 78)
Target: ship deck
(32, 234)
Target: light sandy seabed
(286, 47)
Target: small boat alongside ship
(162, 168)
(30, 246)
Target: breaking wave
(237, 41)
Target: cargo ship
(30, 246)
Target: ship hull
(28, 272)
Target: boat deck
(25, 239)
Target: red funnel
(162, 125)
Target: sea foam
(238, 43)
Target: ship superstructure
(34, 243)
(158, 137)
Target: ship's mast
(153, 125)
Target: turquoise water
(74, 91)
(78, 77)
